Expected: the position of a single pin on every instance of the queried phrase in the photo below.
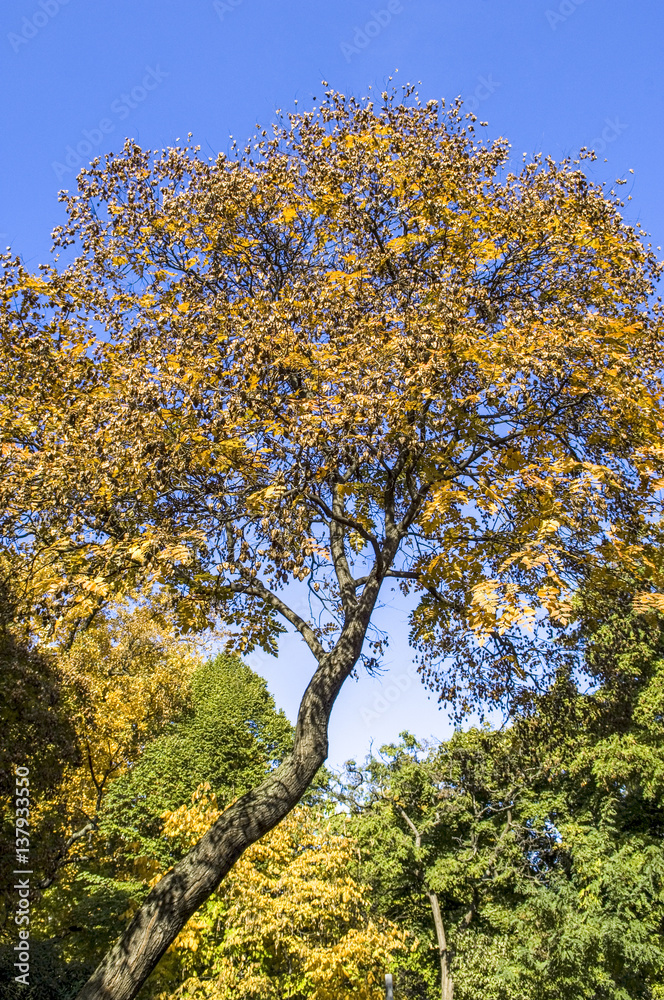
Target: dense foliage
(537, 848)
(543, 844)
(148, 723)
(364, 349)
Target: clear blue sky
(550, 75)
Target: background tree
(149, 723)
(362, 349)
(230, 737)
(441, 838)
(127, 678)
(36, 733)
(544, 843)
(291, 920)
(120, 682)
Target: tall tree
(360, 350)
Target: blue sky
(550, 75)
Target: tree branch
(353, 525)
(258, 589)
(337, 547)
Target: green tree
(541, 846)
(441, 838)
(230, 738)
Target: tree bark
(180, 893)
(446, 983)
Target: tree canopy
(363, 326)
(365, 347)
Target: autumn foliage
(366, 347)
(367, 314)
(291, 920)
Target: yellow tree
(125, 676)
(79, 718)
(360, 351)
(289, 921)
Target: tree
(291, 920)
(586, 920)
(231, 736)
(442, 836)
(79, 718)
(360, 351)
(149, 724)
(36, 733)
(537, 850)
(127, 679)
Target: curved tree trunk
(179, 894)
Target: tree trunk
(180, 893)
(446, 984)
